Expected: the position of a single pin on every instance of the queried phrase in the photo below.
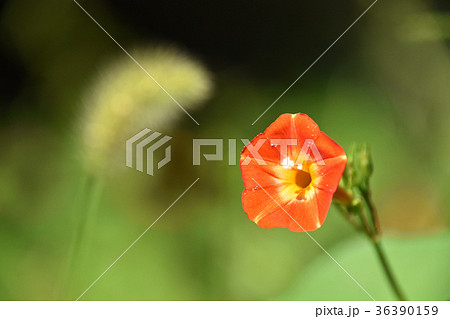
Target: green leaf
(420, 264)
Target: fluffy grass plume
(124, 99)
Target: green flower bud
(365, 163)
(359, 167)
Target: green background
(63, 221)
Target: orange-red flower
(288, 185)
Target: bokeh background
(70, 98)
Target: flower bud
(364, 158)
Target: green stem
(85, 214)
(373, 231)
(375, 236)
(388, 271)
(373, 211)
(369, 231)
(350, 218)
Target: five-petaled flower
(288, 185)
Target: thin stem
(85, 216)
(388, 271)
(375, 237)
(365, 222)
(373, 211)
(372, 230)
(351, 218)
(79, 197)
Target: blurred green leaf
(420, 264)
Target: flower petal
(259, 202)
(268, 173)
(323, 203)
(255, 175)
(278, 218)
(305, 213)
(327, 176)
(267, 152)
(298, 215)
(299, 127)
(327, 147)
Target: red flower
(291, 185)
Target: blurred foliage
(421, 279)
(385, 82)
